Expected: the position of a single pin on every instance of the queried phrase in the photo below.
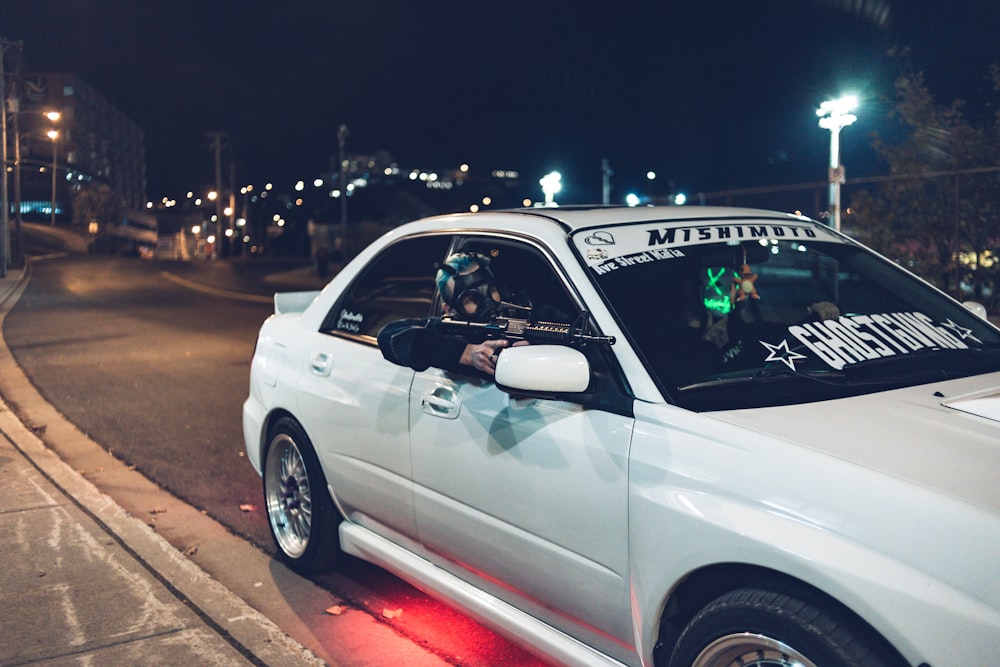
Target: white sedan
(776, 448)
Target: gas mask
(473, 294)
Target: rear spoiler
(293, 302)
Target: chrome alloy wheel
(288, 496)
(750, 650)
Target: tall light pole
(54, 136)
(835, 115)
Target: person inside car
(471, 293)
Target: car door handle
(321, 363)
(441, 401)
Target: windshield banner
(852, 339)
(606, 250)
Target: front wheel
(300, 514)
(769, 628)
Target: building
(96, 147)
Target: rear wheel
(300, 514)
(761, 627)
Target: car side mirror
(543, 368)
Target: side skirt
(532, 634)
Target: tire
(758, 627)
(300, 513)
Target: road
(151, 360)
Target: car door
(526, 497)
(354, 402)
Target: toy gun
(515, 329)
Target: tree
(939, 211)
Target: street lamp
(551, 185)
(834, 115)
(54, 136)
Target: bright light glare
(551, 183)
(835, 114)
(632, 199)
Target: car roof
(573, 218)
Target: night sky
(709, 94)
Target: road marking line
(256, 298)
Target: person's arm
(418, 344)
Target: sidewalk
(83, 580)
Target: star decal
(961, 332)
(781, 353)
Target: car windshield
(741, 314)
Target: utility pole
(217, 140)
(342, 135)
(606, 174)
(234, 238)
(4, 200)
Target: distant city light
(680, 199)
(632, 199)
(318, 182)
(651, 175)
(300, 186)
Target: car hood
(943, 436)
